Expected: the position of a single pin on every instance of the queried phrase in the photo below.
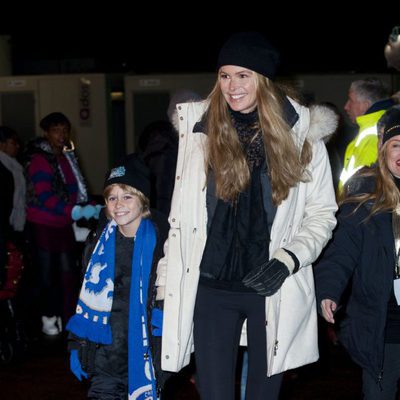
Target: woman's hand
(328, 308)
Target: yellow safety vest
(362, 151)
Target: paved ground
(42, 373)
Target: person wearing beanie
(115, 333)
(365, 250)
(252, 208)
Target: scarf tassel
(90, 330)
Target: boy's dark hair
(52, 119)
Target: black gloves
(267, 279)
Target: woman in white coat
(252, 208)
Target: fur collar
(323, 123)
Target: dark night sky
(308, 43)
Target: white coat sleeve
(317, 219)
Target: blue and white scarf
(92, 317)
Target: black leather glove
(268, 279)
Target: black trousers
(57, 279)
(105, 387)
(218, 320)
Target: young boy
(114, 338)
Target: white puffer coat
(303, 225)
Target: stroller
(12, 340)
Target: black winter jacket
(361, 251)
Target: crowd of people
(222, 231)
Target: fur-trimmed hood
(323, 120)
(323, 123)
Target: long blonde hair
(385, 196)
(225, 157)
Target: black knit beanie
(391, 120)
(131, 171)
(250, 50)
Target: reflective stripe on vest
(351, 168)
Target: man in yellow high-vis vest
(367, 102)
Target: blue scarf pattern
(92, 317)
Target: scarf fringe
(90, 330)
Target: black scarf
(238, 238)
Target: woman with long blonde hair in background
(365, 251)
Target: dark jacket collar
(380, 105)
(359, 184)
